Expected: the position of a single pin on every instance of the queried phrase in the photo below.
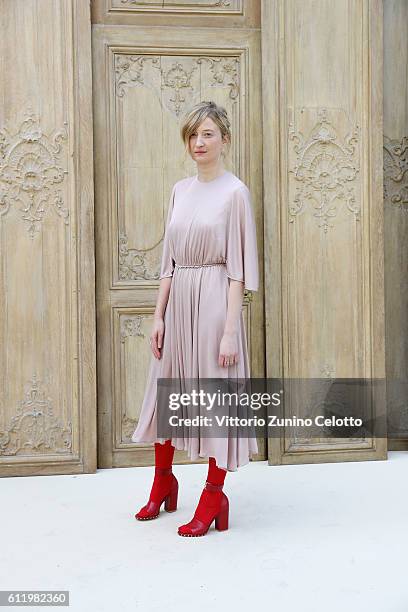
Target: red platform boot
(168, 495)
(165, 485)
(213, 505)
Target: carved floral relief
(175, 80)
(325, 173)
(31, 175)
(396, 173)
(34, 429)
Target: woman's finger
(154, 346)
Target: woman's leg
(163, 458)
(165, 485)
(213, 504)
(215, 475)
(210, 499)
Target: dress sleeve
(167, 263)
(242, 252)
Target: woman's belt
(212, 263)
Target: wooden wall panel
(192, 13)
(396, 217)
(186, 6)
(47, 314)
(322, 211)
(322, 101)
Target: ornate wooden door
(323, 203)
(144, 79)
(47, 294)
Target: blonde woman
(209, 257)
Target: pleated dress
(210, 238)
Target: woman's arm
(229, 342)
(156, 336)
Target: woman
(209, 257)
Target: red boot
(213, 505)
(165, 485)
(165, 489)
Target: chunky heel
(170, 503)
(221, 520)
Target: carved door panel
(47, 313)
(144, 79)
(396, 218)
(322, 102)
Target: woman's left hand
(228, 350)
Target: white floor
(315, 538)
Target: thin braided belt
(214, 263)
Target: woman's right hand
(156, 337)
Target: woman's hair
(196, 115)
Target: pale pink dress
(207, 223)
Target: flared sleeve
(167, 262)
(242, 252)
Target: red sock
(164, 454)
(216, 475)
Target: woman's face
(206, 143)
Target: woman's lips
(200, 152)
